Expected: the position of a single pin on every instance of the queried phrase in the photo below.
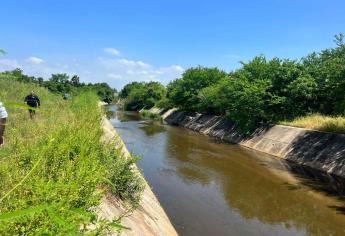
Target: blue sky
(122, 41)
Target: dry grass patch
(319, 122)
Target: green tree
(59, 83)
(328, 69)
(126, 90)
(243, 101)
(302, 94)
(142, 95)
(183, 92)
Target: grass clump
(55, 169)
(319, 122)
(146, 114)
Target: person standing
(33, 102)
(3, 118)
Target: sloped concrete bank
(149, 218)
(318, 150)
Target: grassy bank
(54, 169)
(146, 114)
(319, 122)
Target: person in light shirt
(3, 117)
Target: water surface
(211, 188)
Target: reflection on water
(210, 188)
(151, 128)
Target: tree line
(64, 84)
(261, 91)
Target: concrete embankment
(318, 150)
(149, 218)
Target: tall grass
(146, 114)
(54, 169)
(319, 122)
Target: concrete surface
(320, 150)
(149, 218)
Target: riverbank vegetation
(64, 85)
(335, 124)
(55, 169)
(139, 95)
(266, 90)
(147, 114)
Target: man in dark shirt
(33, 102)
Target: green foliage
(142, 95)
(126, 90)
(55, 169)
(165, 103)
(63, 84)
(242, 101)
(59, 83)
(146, 114)
(302, 94)
(328, 70)
(183, 92)
(279, 74)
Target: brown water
(212, 188)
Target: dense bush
(55, 169)
(138, 95)
(146, 114)
(183, 92)
(239, 99)
(165, 103)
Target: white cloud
(173, 68)
(123, 62)
(34, 60)
(136, 70)
(114, 76)
(8, 64)
(143, 72)
(177, 68)
(150, 77)
(112, 51)
(126, 62)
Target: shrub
(149, 115)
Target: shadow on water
(332, 185)
(248, 186)
(151, 128)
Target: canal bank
(149, 218)
(319, 150)
(208, 187)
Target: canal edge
(318, 150)
(149, 218)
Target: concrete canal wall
(149, 218)
(319, 150)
